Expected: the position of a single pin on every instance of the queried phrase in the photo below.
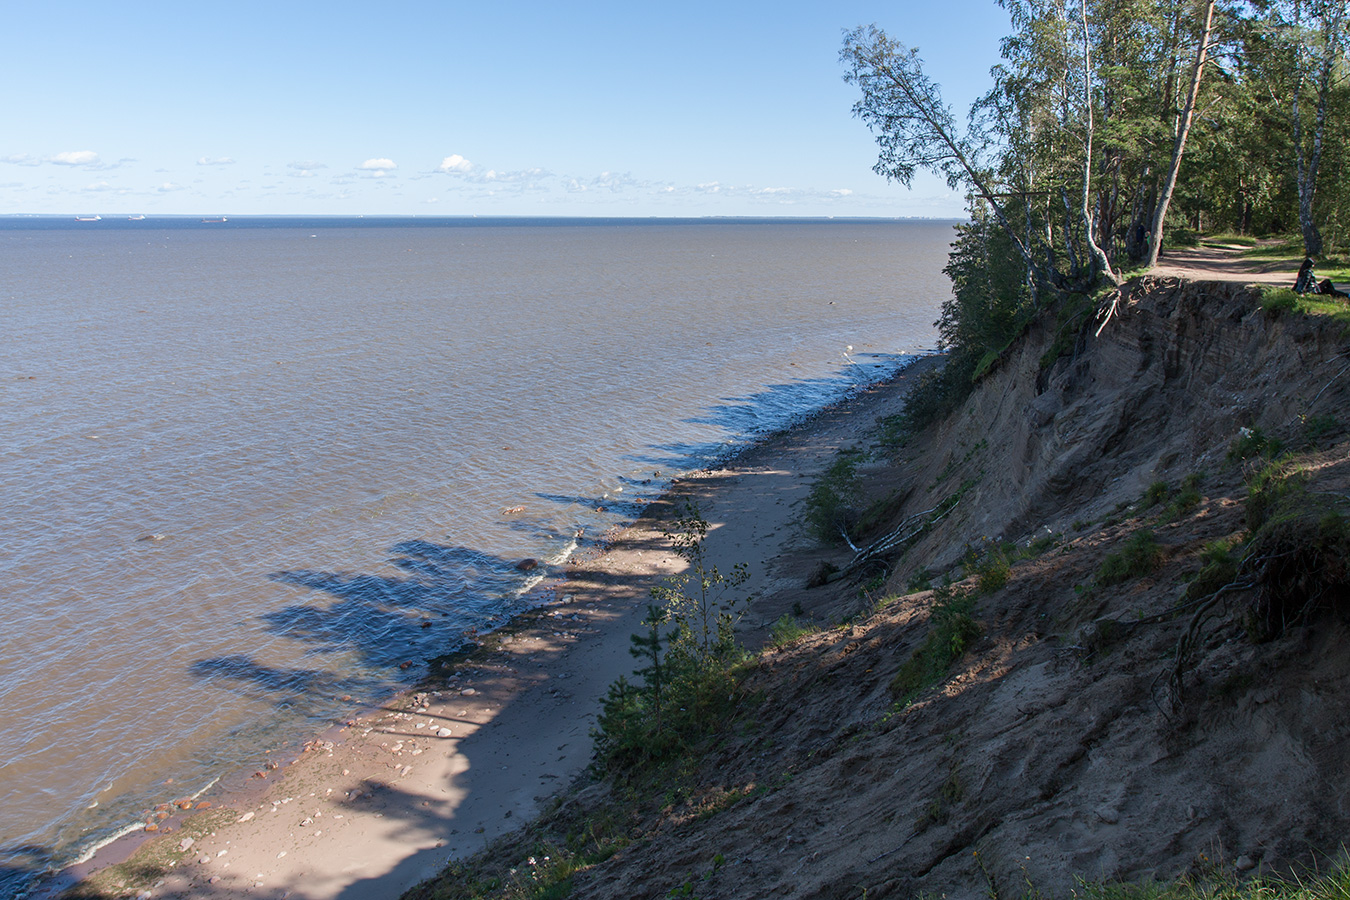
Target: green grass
(1290, 247)
(787, 629)
(1277, 301)
(1228, 239)
(1333, 885)
(1254, 444)
(1140, 555)
(951, 630)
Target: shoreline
(392, 781)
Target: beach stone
(444, 732)
(247, 816)
(213, 879)
(468, 692)
(1244, 863)
(186, 844)
(527, 565)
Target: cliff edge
(1097, 631)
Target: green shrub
(692, 673)
(831, 507)
(1276, 300)
(1220, 568)
(786, 630)
(1252, 443)
(951, 630)
(992, 572)
(1299, 549)
(1140, 555)
(1316, 428)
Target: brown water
(242, 466)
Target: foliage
(1299, 545)
(1219, 884)
(1276, 300)
(831, 507)
(1220, 568)
(1253, 444)
(1139, 556)
(951, 630)
(787, 629)
(692, 680)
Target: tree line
(1111, 126)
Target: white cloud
(98, 186)
(168, 187)
(379, 167)
(455, 165)
(842, 192)
(22, 159)
(710, 187)
(215, 161)
(305, 168)
(76, 158)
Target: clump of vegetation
(692, 664)
(787, 629)
(1140, 555)
(1220, 884)
(951, 630)
(831, 507)
(1299, 548)
(1187, 498)
(1276, 300)
(1156, 493)
(922, 580)
(1220, 568)
(1253, 443)
(1316, 429)
(993, 571)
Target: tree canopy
(1111, 127)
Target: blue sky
(430, 108)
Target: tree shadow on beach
(20, 866)
(384, 626)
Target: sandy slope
(387, 799)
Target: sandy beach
(387, 798)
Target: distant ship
(88, 218)
(136, 218)
(213, 221)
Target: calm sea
(248, 467)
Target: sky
(438, 108)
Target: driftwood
(909, 529)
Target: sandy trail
(386, 800)
(1219, 263)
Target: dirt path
(1225, 263)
